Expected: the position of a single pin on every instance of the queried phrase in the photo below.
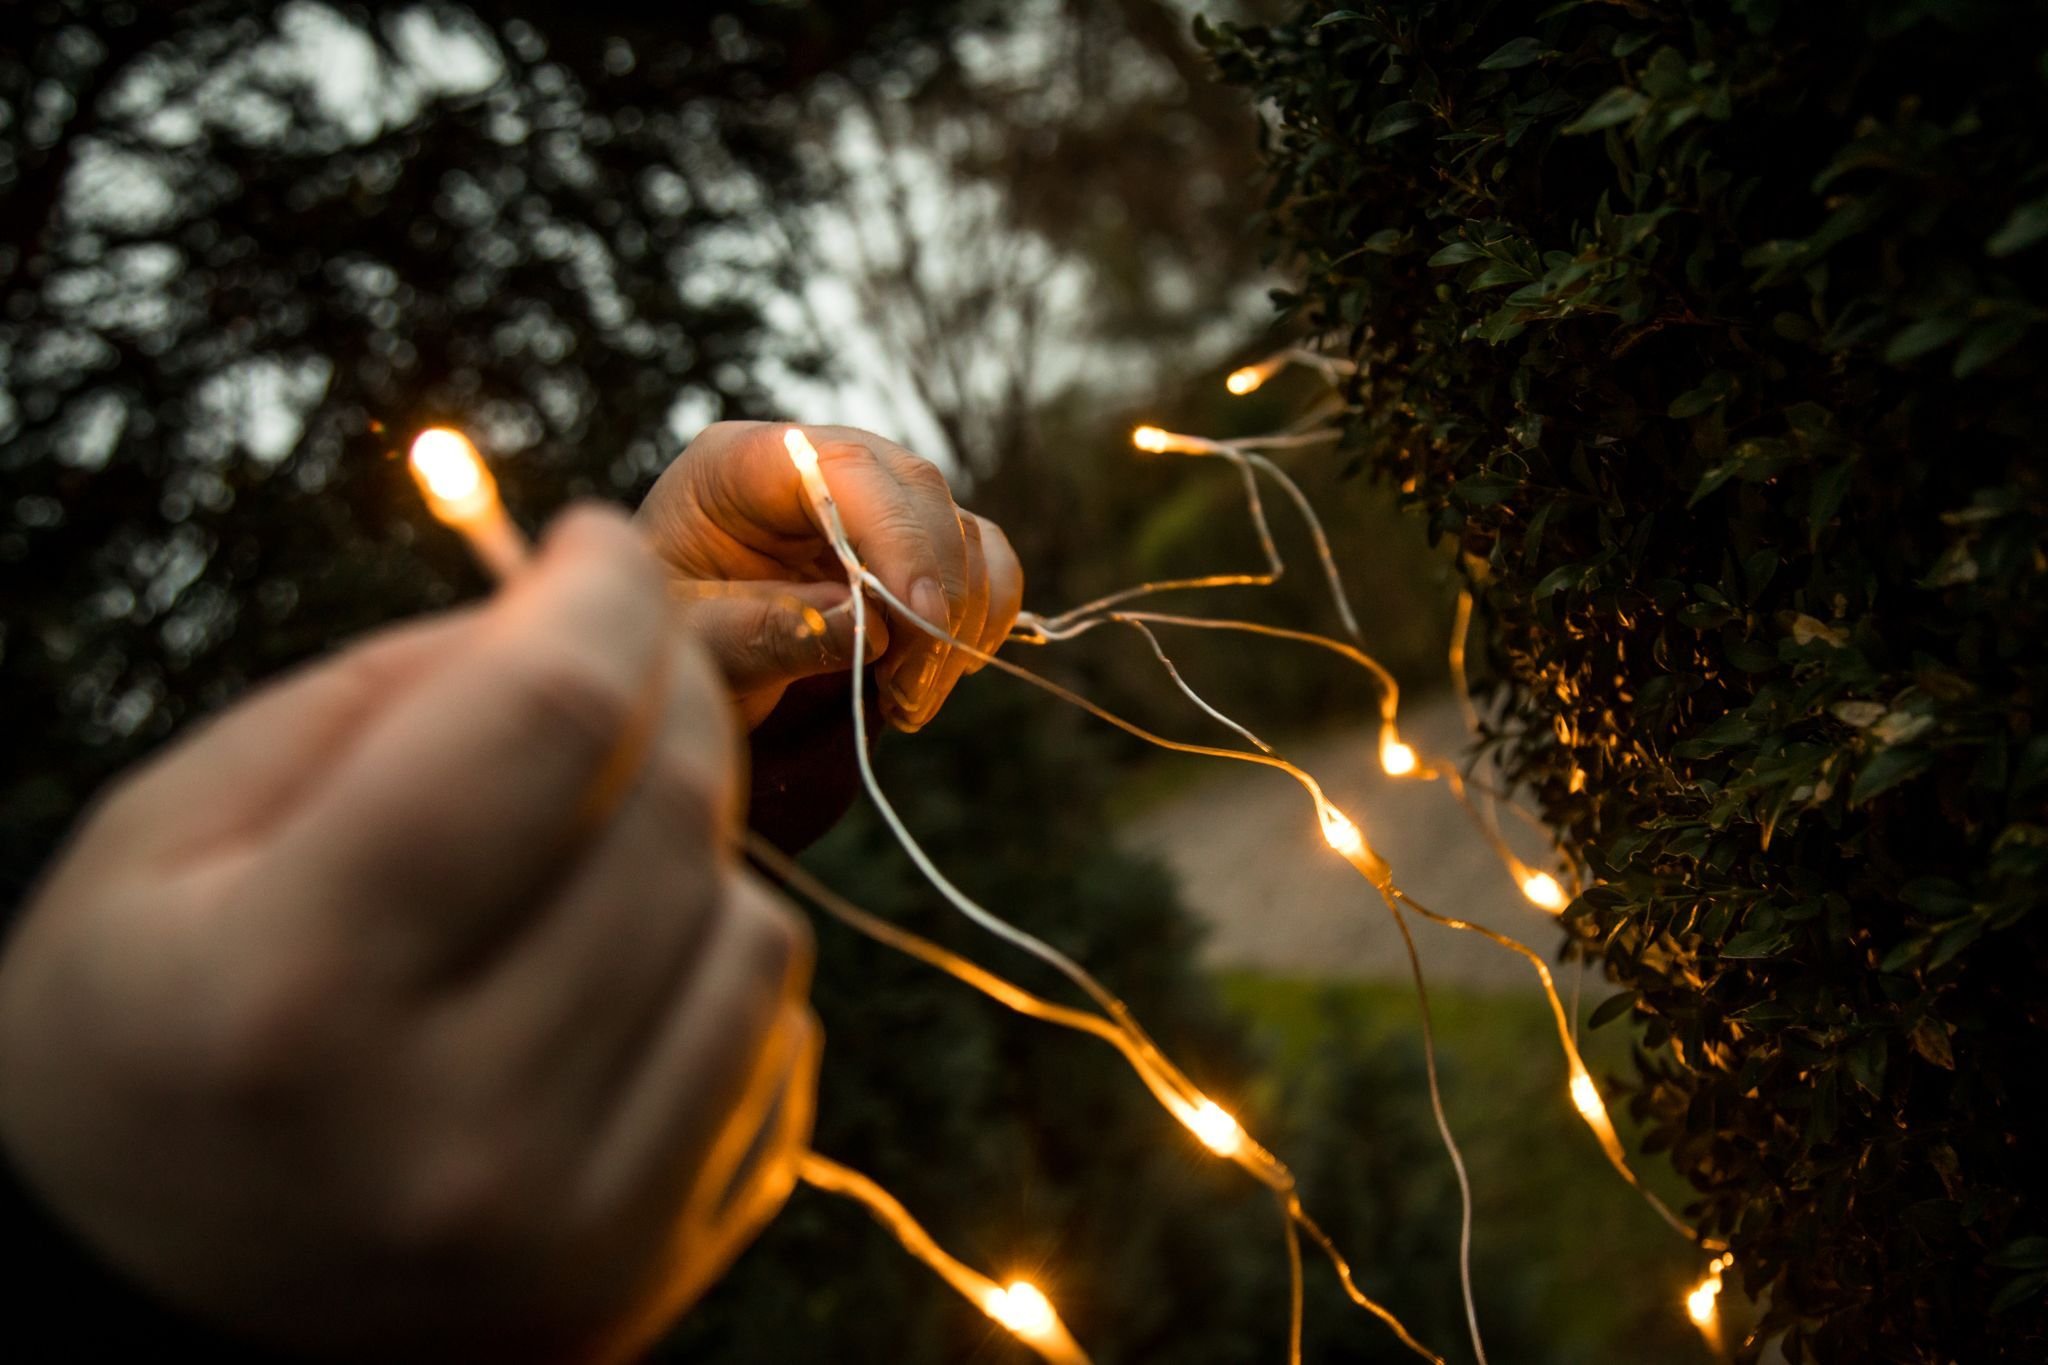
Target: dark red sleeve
(804, 776)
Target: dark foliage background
(1711, 334)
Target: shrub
(1711, 333)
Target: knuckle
(777, 941)
(683, 794)
(922, 476)
(552, 692)
(459, 1194)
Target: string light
(458, 487)
(1152, 1065)
(1250, 378)
(1019, 1306)
(1703, 1306)
(461, 493)
(1542, 890)
(1173, 1092)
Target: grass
(1593, 1267)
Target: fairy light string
(458, 489)
(1179, 1096)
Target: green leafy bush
(1712, 333)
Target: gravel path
(1252, 864)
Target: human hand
(731, 522)
(415, 1008)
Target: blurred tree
(245, 248)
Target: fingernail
(928, 600)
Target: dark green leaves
(2028, 225)
(1618, 105)
(1516, 52)
(1396, 119)
(1734, 412)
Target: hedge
(1711, 334)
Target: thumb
(768, 635)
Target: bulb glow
(1342, 833)
(1396, 758)
(1543, 890)
(1152, 440)
(802, 453)
(452, 475)
(1244, 381)
(1020, 1307)
(1586, 1097)
(1699, 1305)
(1218, 1131)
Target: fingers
(740, 503)
(471, 792)
(589, 979)
(967, 626)
(709, 1072)
(768, 635)
(1005, 586)
(256, 760)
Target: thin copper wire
(1262, 1163)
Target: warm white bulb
(447, 465)
(1245, 381)
(1020, 1307)
(801, 452)
(1341, 833)
(1700, 1303)
(1396, 758)
(1542, 889)
(1151, 439)
(1586, 1096)
(1218, 1131)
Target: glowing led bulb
(461, 493)
(1341, 833)
(1699, 1304)
(1218, 1131)
(1542, 889)
(804, 456)
(1245, 381)
(1396, 758)
(1020, 1307)
(451, 474)
(1151, 439)
(1586, 1096)
(1702, 1304)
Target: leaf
(1755, 943)
(1693, 402)
(1385, 242)
(1930, 1039)
(1558, 579)
(1514, 53)
(1481, 490)
(1926, 335)
(1616, 106)
(1395, 119)
(2027, 225)
(1987, 342)
(1499, 273)
(1867, 1062)
(1612, 1008)
(1457, 253)
(2025, 1253)
(2019, 1290)
(1335, 16)
(1886, 770)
